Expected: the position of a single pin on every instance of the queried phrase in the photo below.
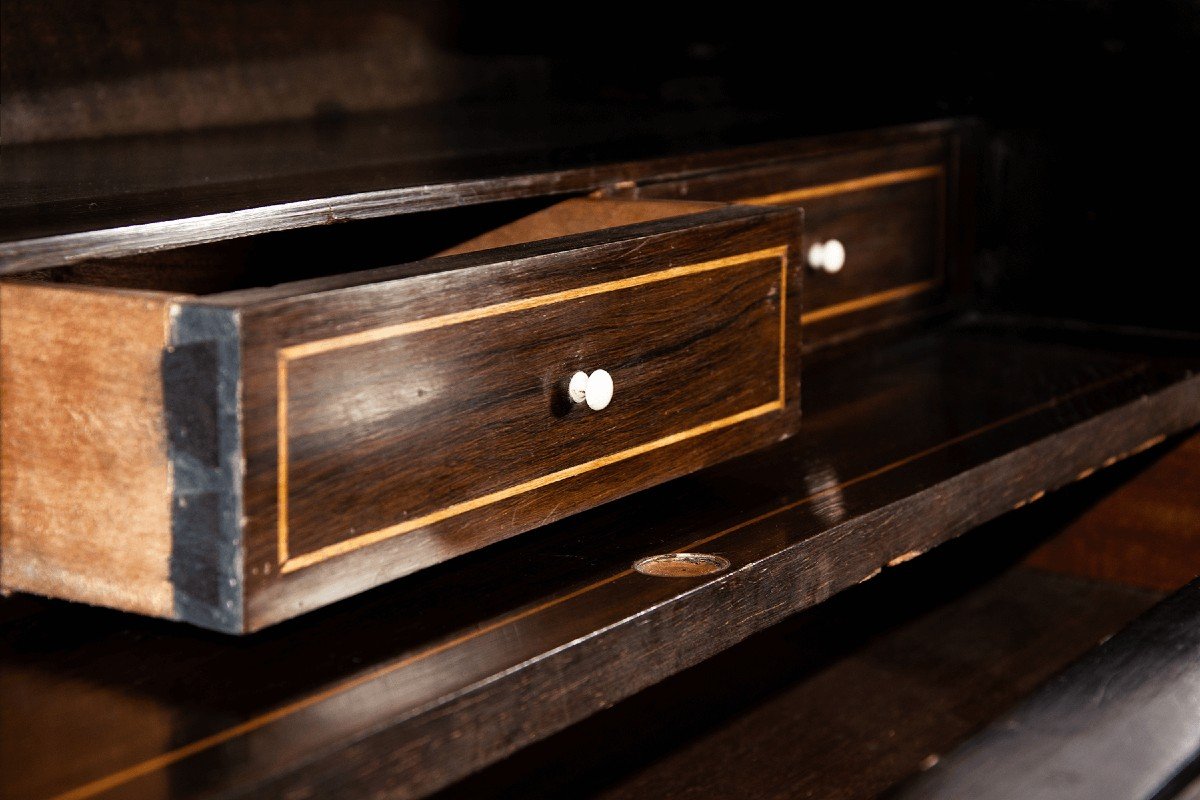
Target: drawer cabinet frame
(938, 159)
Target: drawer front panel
(393, 425)
(891, 232)
(420, 423)
(886, 207)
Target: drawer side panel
(85, 487)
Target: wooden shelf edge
(630, 653)
(177, 211)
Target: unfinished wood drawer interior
(236, 458)
(875, 222)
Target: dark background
(1088, 164)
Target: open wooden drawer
(237, 458)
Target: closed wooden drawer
(884, 210)
(318, 438)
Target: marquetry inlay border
(293, 353)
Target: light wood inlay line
(870, 300)
(164, 760)
(357, 542)
(289, 563)
(783, 268)
(851, 185)
(298, 351)
(281, 507)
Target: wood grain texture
(83, 467)
(140, 195)
(578, 216)
(806, 175)
(410, 687)
(393, 424)
(891, 207)
(423, 407)
(1144, 532)
(151, 727)
(411, 429)
(1124, 721)
(893, 238)
(842, 701)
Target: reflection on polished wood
(419, 683)
(845, 699)
(288, 356)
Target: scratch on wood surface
(870, 575)
(900, 559)
(1146, 445)
(1031, 499)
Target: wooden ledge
(419, 683)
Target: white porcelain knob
(828, 256)
(596, 389)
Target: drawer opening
(353, 246)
